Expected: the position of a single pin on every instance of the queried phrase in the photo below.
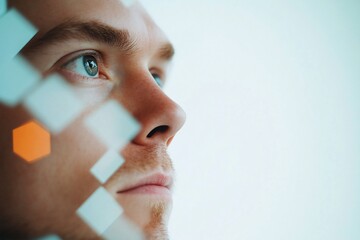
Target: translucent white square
(54, 103)
(3, 7)
(128, 3)
(100, 210)
(49, 237)
(16, 32)
(123, 229)
(16, 80)
(113, 125)
(107, 165)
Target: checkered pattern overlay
(54, 105)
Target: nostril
(159, 129)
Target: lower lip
(149, 189)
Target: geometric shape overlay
(123, 229)
(17, 77)
(54, 103)
(128, 3)
(49, 237)
(113, 125)
(16, 32)
(31, 141)
(100, 210)
(3, 7)
(107, 165)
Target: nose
(160, 117)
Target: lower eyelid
(79, 80)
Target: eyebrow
(98, 32)
(167, 51)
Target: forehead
(46, 14)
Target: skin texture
(42, 197)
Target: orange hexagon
(31, 141)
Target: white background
(271, 147)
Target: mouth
(157, 184)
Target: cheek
(55, 185)
(92, 96)
(75, 151)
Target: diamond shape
(3, 7)
(128, 3)
(100, 210)
(113, 125)
(16, 32)
(49, 237)
(123, 229)
(107, 165)
(54, 103)
(17, 78)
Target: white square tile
(54, 103)
(113, 125)
(123, 229)
(16, 32)
(100, 210)
(128, 3)
(18, 77)
(3, 7)
(107, 165)
(49, 237)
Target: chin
(150, 213)
(157, 228)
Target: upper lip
(158, 179)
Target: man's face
(106, 51)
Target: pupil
(90, 65)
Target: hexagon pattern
(31, 141)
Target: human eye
(84, 67)
(158, 80)
(88, 73)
